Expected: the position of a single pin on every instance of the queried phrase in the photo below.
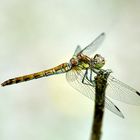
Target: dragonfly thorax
(80, 60)
(98, 61)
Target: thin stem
(101, 84)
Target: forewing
(122, 92)
(94, 45)
(74, 78)
(77, 50)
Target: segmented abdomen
(56, 70)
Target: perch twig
(101, 84)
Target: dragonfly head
(98, 61)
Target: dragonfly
(80, 72)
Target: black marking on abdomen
(8, 82)
(27, 78)
(17, 81)
(36, 76)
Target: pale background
(39, 34)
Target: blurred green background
(39, 34)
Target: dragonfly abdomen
(56, 70)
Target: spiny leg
(88, 81)
(91, 76)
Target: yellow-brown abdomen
(56, 70)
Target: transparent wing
(122, 92)
(74, 78)
(93, 46)
(77, 50)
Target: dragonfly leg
(88, 81)
(91, 78)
